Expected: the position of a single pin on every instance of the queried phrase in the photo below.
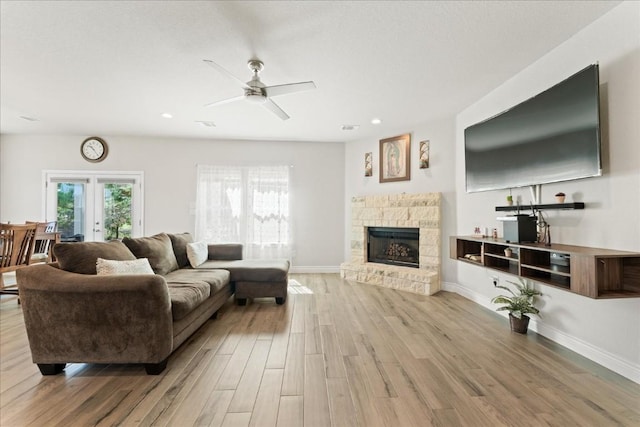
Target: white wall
(169, 167)
(607, 331)
(439, 177)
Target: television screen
(554, 136)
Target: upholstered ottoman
(256, 278)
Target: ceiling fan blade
(225, 72)
(288, 88)
(225, 101)
(273, 107)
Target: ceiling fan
(255, 91)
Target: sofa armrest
(73, 317)
(225, 251)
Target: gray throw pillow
(157, 249)
(81, 257)
(179, 243)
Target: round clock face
(94, 149)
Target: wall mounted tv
(552, 137)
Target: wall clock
(94, 149)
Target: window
(248, 205)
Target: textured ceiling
(112, 67)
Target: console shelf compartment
(591, 272)
(547, 206)
(495, 257)
(468, 251)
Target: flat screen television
(552, 137)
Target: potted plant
(560, 197)
(518, 304)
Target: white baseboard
(301, 269)
(602, 357)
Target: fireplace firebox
(393, 245)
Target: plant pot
(519, 325)
(560, 199)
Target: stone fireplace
(402, 212)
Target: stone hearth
(397, 210)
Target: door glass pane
(117, 212)
(71, 211)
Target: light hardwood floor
(336, 354)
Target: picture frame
(424, 154)
(395, 158)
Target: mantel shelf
(548, 206)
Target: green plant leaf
(506, 289)
(501, 299)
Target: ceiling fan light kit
(256, 92)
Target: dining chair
(46, 236)
(16, 247)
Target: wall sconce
(368, 164)
(424, 154)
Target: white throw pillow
(107, 267)
(197, 253)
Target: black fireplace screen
(397, 246)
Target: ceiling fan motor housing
(255, 95)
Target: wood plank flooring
(337, 353)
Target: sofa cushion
(157, 249)
(179, 243)
(197, 253)
(107, 267)
(81, 257)
(186, 295)
(217, 279)
(225, 251)
(252, 270)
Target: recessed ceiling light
(29, 119)
(206, 123)
(376, 121)
(167, 115)
(350, 127)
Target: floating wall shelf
(548, 206)
(591, 272)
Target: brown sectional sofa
(73, 315)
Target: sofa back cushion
(179, 243)
(81, 257)
(225, 251)
(157, 249)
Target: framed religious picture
(395, 158)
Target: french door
(94, 206)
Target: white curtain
(248, 205)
